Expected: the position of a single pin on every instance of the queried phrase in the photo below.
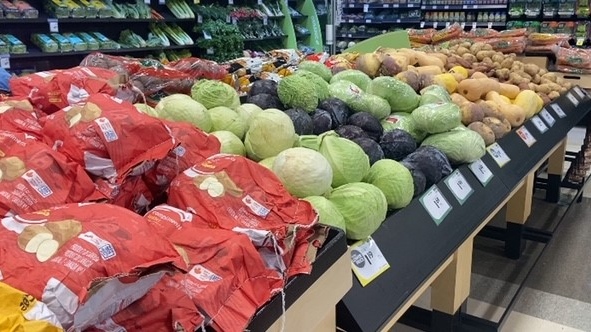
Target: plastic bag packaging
(434, 94)
(572, 57)
(76, 256)
(122, 65)
(133, 194)
(422, 36)
(109, 137)
(482, 33)
(508, 45)
(233, 193)
(20, 311)
(156, 83)
(572, 70)
(512, 33)
(19, 116)
(540, 39)
(200, 68)
(451, 32)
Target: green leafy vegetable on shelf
(131, 39)
(180, 9)
(158, 32)
(222, 41)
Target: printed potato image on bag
(78, 255)
(86, 113)
(11, 168)
(19, 116)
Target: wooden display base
(582, 80)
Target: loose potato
(550, 76)
(466, 45)
(543, 72)
(458, 99)
(487, 47)
(507, 63)
(503, 74)
(497, 126)
(488, 61)
(517, 79)
(532, 69)
(481, 55)
(477, 47)
(524, 86)
(471, 112)
(532, 86)
(537, 79)
(498, 57)
(554, 86)
(469, 57)
(567, 85)
(543, 88)
(462, 50)
(490, 109)
(507, 125)
(484, 131)
(411, 78)
(563, 90)
(544, 97)
(553, 95)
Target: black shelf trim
(254, 40)
(373, 21)
(383, 5)
(359, 36)
(36, 53)
(463, 7)
(44, 20)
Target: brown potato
(497, 126)
(491, 109)
(484, 131)
(471, 112)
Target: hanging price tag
(490, 24)
(259, 2)
(199, 19)
(498, 154)
(367, 21)
(547, 117)
(394, 5)
(206, 35)
(481, 171)
(147, 2)
(228, 19)
(542, 128)
(435, 25)
(162, 2)
(447, 24)
(435, 204)
(53, 25)
(572, 99)
(526, 136)
(5, 61)
(365, 7)
(474, 25)
(558, 110)
(475, 6)
(265, 20)
(459, 187)
(351, 5)
(434, 7)
(351, 21)
(422, 25)
(210, 50)
(367, 261)
(349, 35)
(410, 5)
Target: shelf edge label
(572, 99)
(537, 121)
(435, 204)
(481, 172)
(367, 261)
(526, 136)
(498, 154)
(458, 186)
(580, 92)
(5, 61)
(547, 117)
(558, 110)
(53, 25)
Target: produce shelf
(463, 7)
(254, 40)
(358, 35)
(413, 259)
(378, 21)
(468, 24)
(43, 19)
(382, 5)
(36, 53)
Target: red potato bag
(233, 193)
(200, 68)
(34, 177)
(194, 146)
(19, 116)
(156, 83)
(120, 64)
(133, 194)
(109, 137)
(76, 257)
(53, 90)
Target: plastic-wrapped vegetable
(200, 68)
(45, 43)
(77, 43)
(63, 42)
(15, 46)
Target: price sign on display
(4, 61)
(547, 117)
(422, 25)
(351, 5)
(199, 19)
(459, 187)
(259, 2)
(367, 21)
(53, 25)
(582, 93)
(410, 5)
(367, 261)
(490, 24)
(394, 5)
(162, 2)
(445, 7)
(526, 136)
(463, 25)
(397, 20)
(365, 7)
(447, 24)
(572, 99)
(351, 21)
(481, 171)
(558, 110)
(206, 35)
(434, 25)
(228, 20)
(435, 204)
(234, 20)
(474, 24)
(542, 128)
(210, 50)
(475, 6)
(147, 2)
(230, 2)
(386, 5)
(498, 154)
(265, 20)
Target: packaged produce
(232, 192)
(4, 49)
(15, 46)
(77, 43)
(423, 36)
(451, 32)
(20, 311)
(508, 45)
(104, 42)
(45, 43)
(26, 10)
(67, 248)
(53, 90)
(200, 68)
(19, 116)
(10, 10)
(90, 41)
(540, 39)
(65, 8)
(35, 177)
(157, 83)
(132, 194)
(572, 57)
(63, 43)
(481, 33)
(102, 135)
(123, 65)
(512, 33)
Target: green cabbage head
(303, 172)
(328, 213)
(459, 145)
(268, 162)
(296, 91)
(247, 111)
(405, 122)
(394, 180)
(212, 94)
(363, 206)
(230, 143)
(348, 161)
(437, 118)
(354, 76)
(400, 96)
(182, 108)
(223, 118)
(271, 131)
(320, 84)
(146, 109)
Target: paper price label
(542, 128)
(581, 92)
(481, 171)
(259, 2)
(199, 19)
(147, 2)
(367, 261)
(265, 20)
(386, 5)
(526, 136)
(498, 154)
(572, 99)
(422, 25)
(547, 117)
(351, 21)
(434, 7)
(228, 20)
(367, 21)
(206, 35)
(5, 61)
(162, 2)
(459, 187)
(210, 50)
(351, 5)
(445, 7)
(435, 25)
(365, 8)
(230, 2)
(463, 25)
(349, 35)
(490, 25)
(447, 24)
(53, 25)
(474, 25)
(394, 5)
(435, 204)
(475, 6)
(234, 20)
(410, 5)
(558, 110)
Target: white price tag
(582, 93)
(498, 154)
(162, 2)
(458, 185)
(5, 61)
(463, 25)
(206, 35)
(386, 5)
(365, 7)
(234, 20)
(53, 25)
(445, 7)
(367, 21)
(475, 6)
(410, 5)
(481, 171)
(351, 5)
(474, 25)
(542, 128)
(572, 99)
(259, 2)
(398, 21)
(199, 19)
(230, 2)
(434, 7)
(228, 20)
(349, 35)
(395, 5)
(547, 117)
(350, 21)
(558, 110)
(147, 2)
(447, 24)
(422, 25)
(367, 261)
(435, 204)
(265, 20)
(490, 24)
(210, 50)
(435, 25)
(526, 136)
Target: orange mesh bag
(75, 257)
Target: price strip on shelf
(386, 5)
(365, 7)
(526, 136)
(351, 21)
(558, 110)
(582, 93)
(410, 5)
(433, 7)
(498, 154)
(5, 61)
(572, 99)
(265, 20)
(542, 128)
(459, 187)
(199, 19)
(53, 25)
(367, 21)
(435, 204)
(351, 5)
(445, 7)
(463, 25)
(397, 20)
(474, 25)
(447, 24)
(435, 25)
(422, 25)
(367, 261)
(547, 117)
(481, 171)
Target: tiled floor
(557, 294)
